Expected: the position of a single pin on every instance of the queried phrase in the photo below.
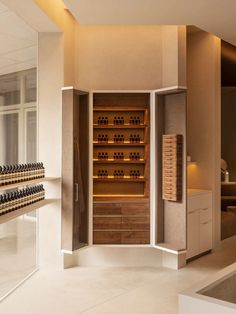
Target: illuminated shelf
(121, 126)
(117, 161)
(125, 179)
(119, 144)
(24, 210)
(25, 183)
(120, 109)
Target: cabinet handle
(76, 192)
(204, 208)
(205, 223)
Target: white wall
(50, 81)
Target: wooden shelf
(229, 197)
(112, 179)
(117, 161)
(119, 144)
(113, 199)
(121, 205)
(24, 210)
(122, 126)
(129, 108)
(24, 183)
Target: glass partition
(18, 144)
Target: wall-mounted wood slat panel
(172, 160)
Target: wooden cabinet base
(124, 237)
(121, 223)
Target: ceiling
(214, 16)
(18, 49)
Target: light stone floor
(17, 252)
(113, 290)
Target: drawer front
(107, 237)
(200, 201)
(205, 236)
(205, 214)
(135, 237)
(135, 209)
(107, 223)
(106, 209)
(126, 209)
(135, 223)
(121, 223)
(124, 237)
(193, 230)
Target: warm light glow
(192, 164)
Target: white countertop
(228, 183)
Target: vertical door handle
(76, 192)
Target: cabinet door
(75, 175)
(193, 231)
(205, 236)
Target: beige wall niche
(130, 57)
(203, 117)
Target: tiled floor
(113, 290)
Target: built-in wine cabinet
(121, 168)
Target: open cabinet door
(171, 187)
(75, 168)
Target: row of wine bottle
(118, 138)
(14, 200)
(119, 120)
(118, 173)
(10, 174)
(118, 156)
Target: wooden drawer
(106, 209)
(135, 237)
(135, 223)
(126, 209)
(107, 223)
(121, 223)
(124, 237)
(200, 201)
(205, 214)
(107, 237)
(137, 209)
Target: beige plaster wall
(203, 117)
(55, 9)
(118, 57)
